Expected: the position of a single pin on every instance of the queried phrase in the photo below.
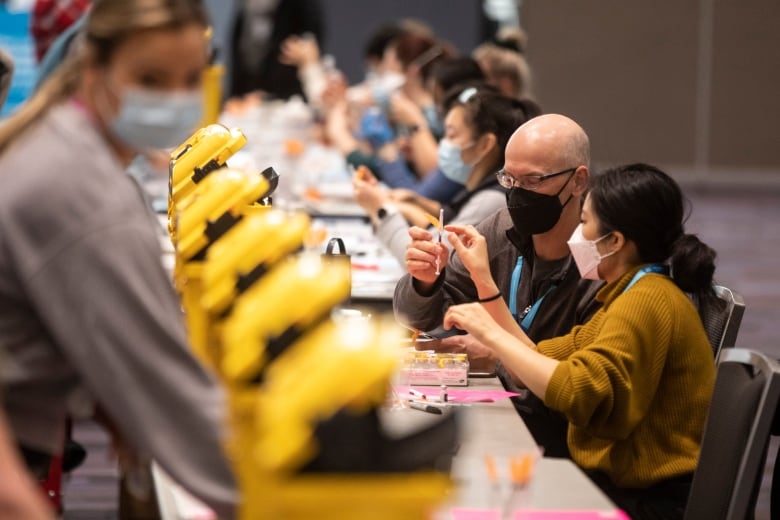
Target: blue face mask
(451, 163)
(150, 119)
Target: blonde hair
(506, 61)
(109, 23)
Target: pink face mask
(586, 254)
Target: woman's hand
(405, 111)
(368, 193)
(403, 195)
(335, 92)
(474, 319)
(299, 51)
(421, 254)
(479, 355)
(471, 247)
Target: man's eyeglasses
(527, 182)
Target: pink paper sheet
(495, 514)
(461, 395)
(475, 514)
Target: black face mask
(534, 213)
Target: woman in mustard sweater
(634, 381)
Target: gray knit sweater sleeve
(85, 303)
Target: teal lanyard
(531, 310)
(652, 268)
(516, 274)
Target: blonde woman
(88, 318)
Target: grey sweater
(87, 310)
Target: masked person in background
(478, 126)
(546, 170)
(88, 317)
(635, 381)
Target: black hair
(450, 72)
(488, 111)
(647, 206)
(380, 39)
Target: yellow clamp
(294, 294)
(214, 207)
(335, 366)
(204, 151)
(247, 251)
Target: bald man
(546, 171)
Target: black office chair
(721, 317)
(736, 436)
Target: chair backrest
(722, 318)
(736, 436)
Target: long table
(496, 429)
(487, 428)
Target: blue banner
(15, 40)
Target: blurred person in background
(503, 61)
(478, 126)
(419, 148)
(89, 321)
(261, 27)
(50, 18)
(395, 159)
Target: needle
(441, 230)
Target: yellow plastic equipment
(247, 251)
(206, 150)
(365, 353)
(212, 93)
(287, 366)
(291, 298)
(336, 366)
(212, 83)
(262, 238)
(214, 207)
(260, 318)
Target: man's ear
(581, 179)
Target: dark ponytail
(693, 264)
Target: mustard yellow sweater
(635, 382)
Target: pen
(417, 393)
(441, 228)
(425, 407)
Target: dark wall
(349, 23)
(692, 84)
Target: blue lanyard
(652, 268)
(516, 274)
(530, 312)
